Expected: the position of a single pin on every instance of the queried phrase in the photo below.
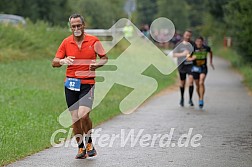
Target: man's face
(187, 36)
(77, 26)
(199, 43)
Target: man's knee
(201, 82)
(75, 116)
(190, 80)
(85, 118)
(182, 83)
(83, 113)
(197, 82)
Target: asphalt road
(225, 127)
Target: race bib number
(196, 69)
(73, 84)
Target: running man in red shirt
(79, 52)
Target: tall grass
(34, 41)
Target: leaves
(238, 18)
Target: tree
(99, 14)
(146, 11)
(176, 11)
(197, 11)
(216, 9)
(238, 18)
(52, 11)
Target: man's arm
(211, 59)
(57, 62)
(191, 58)
(60, 58)
(103, 60)
(182, 54)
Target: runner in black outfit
(185, 66)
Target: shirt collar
(86, 39)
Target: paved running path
(225, 126)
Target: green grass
(32, 92)
(245, 68)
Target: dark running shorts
(185, 70)
(84, 97)
(196, 75)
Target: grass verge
(245, 68)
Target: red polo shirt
(91, 47)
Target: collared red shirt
(83, 57)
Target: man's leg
(197, 86)
(201, 89)
(77, 128)
(196, 79)
(202, 86)
(85, 105)
(86, 124)
(191, 88)
(72, 98)
(182, 87)
(78, 133)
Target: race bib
(73, 84)
(196, 69)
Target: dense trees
(98, 13)
(146, 11)
(176, 11)
(207, 17)
(52, 11)
(238, 18)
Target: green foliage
(196, 12)
(99, 14)
(238, 18)
(230, 18)
(176, 11)
(55, 12)
(216, 9)
(237, 61)
(146, 11)
(34, 41)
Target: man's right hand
(66, 61)
(190, 58)
(186, 52)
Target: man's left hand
(93, 67)
(211, 64)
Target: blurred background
(220, 19)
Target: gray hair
(76, 15)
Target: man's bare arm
(211, 59)
(101, 62)
(182, 54)
(57, 62)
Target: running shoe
(191, 103)
(81, 154)
(201, 103)
(90, 150)
(181, 102)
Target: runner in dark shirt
(199, 69)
